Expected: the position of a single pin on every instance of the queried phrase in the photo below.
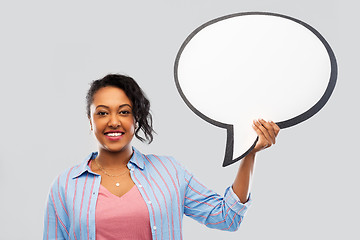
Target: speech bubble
(245, 66)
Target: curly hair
(141, 105)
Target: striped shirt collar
(137, 159)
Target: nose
(114, 122)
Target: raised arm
(267, 132)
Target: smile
(113, 134)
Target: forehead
(110, 96)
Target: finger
(270, 129)
(264, 132)
(276, 128)
(267, 130)
(262, 141)
(257, 129)
(256, 126)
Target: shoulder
(67, 175)
(61, 180)
(161, 160)
(164, 164)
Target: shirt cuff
(234, 202)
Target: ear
(90, 124)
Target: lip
(114, 138)
(113, 131)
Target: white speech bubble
(244, 66)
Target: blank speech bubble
(246, 66)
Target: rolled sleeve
(206, 206)
(234, 202)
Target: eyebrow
(123, 105)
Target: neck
(109, 159)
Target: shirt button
(154, 227)
(140, 186)
(132, 169)
(149, 202)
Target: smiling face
(112, 120)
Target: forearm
(267, 132)
(241, 185)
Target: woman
(120, 193)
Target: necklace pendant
(117, 184)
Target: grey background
(306, 186)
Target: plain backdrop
(304, 187)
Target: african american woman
(120, 193)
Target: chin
(115, 149)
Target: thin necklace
(110, 175)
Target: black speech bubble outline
(228, 159)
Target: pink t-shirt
(125, 217)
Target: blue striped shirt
(167, 188)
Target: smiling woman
(138, 102)
(120, 193)
(112, 120)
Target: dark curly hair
(141, 105)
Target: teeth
(114, 134)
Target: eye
(101, 113)
(124, 112)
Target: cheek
(99, 125)
(131, 126)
